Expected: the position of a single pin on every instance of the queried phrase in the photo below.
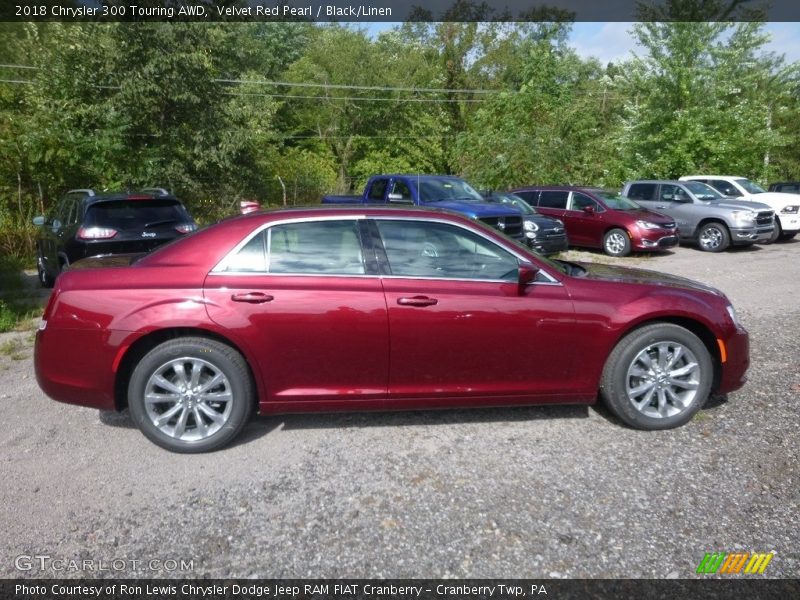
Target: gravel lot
(530, 492)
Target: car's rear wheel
(713, 237)
(617, 243)
(191, 394)
(657, 377)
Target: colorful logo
(731, 563)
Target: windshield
(435, 190)
(752, 188)
(616, 201)
(703, 191)
(511, 200)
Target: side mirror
(38, 221)
(399, 198)
(527, 274)
(589, 210)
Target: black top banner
(400, 589)
(367, 11)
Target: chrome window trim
(219, 269)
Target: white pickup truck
(786, 206)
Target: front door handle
(417, 301)
(252, 297)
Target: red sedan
(373, 309)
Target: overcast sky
(612, 42)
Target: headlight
(790, 210)
(745, 216)
(530, 226)
(648, 225)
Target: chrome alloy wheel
(662, 381)
(711, 238)
(189, 399)
(615, 242)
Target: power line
(341, 86)
(354, 98)
(17, 67)
(15, 81)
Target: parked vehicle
(786, 187)
(543, 234)
(435, 191)
(409, 309)
(86, 223)
(786, 206)
(703, 215)
(597, 218)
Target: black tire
(211, 359)
(713, 237)
(45, 279)
(616, 242)
(787, 236)
(624, 366)
(776, 233)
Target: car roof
(671, 181)
(121, 196)
(556, 188)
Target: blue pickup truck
(436, 191)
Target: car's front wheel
(191, 394)
(657, 377)
(713, 237)
(617, 243)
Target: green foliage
(252, 110)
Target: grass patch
(14, 348)
(17, 302)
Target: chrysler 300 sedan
(369, 308)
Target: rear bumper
(734, 369)
(68, 374)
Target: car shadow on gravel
(599, 408)
(259, 425)
(424, 417)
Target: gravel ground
(527, 492)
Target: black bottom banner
(398, 589)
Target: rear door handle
(417, 301)
(252, 297)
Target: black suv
(544, 234)
(86, 223)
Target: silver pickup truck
(703, 214)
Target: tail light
(185, 228)
(96, 233)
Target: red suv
(597, 218)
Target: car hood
(475, 209)
(643, 276)
(645, 214)
(780, 199)
(740, 204)
(544, 222)
(106, 260)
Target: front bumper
(655, 240)
(749, 235)
(790, 223)
(734, 369)
(548, 245)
